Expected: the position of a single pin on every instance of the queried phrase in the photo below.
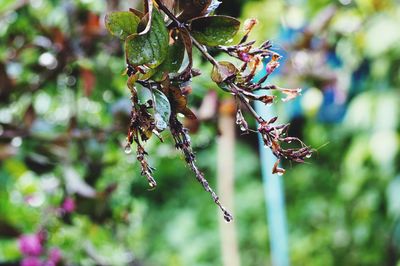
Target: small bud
(267, 99)
(249, 24)
(245, 57)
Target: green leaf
(214, 30)
(173, 62)
(162, 109)
(150, 48)
(122, 23)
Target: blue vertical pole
(274, 198)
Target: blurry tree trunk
(226, 173)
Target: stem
(169, 14)
(204, 51)
(250, 108)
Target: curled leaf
(179, 102)
(223, 71)
(149, 9)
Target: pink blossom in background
(68, 205)
(55, 255)
(31, 261)
(30, 245)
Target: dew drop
(128, 148)
(289, 141)
(242, 128)
(308, 155)
(280, 173)
(227, 219)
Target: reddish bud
(245, 57)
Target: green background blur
(64, 110)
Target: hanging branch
(154, 52)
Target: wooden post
(226, 173)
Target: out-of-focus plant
(341, 210)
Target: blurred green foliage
(63, 116)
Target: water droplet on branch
(128, 148)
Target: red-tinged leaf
(179, 102)
(170, 4)
(192, 8)
(188, 113)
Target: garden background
(64, 111)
